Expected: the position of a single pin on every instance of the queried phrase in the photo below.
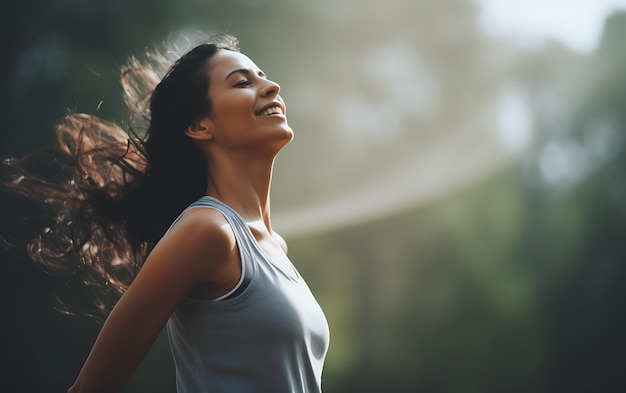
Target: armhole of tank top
(244, 279)
(231, 294)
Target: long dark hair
(122, 188)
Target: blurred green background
(455, 194)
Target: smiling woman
(240, 318)
(238, 116)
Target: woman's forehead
(226, 61)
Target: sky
(576, 23)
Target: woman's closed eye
(243, 83)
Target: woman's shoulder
(205, 221)
(203, 230)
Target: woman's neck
(244, 185)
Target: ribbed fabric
(272, 337)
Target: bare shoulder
(205, 220)
(201, 237)
(203, 229)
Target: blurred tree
(584, 229)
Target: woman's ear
(200, 130)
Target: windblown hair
(122, 188)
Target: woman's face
(247, 112)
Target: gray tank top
(268, 335)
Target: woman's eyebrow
(237, 71)
(242, 71)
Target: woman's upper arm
(187, 255)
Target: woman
(239, 316)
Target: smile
(273, 110)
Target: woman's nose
(270, 88)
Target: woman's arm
(196, 252)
